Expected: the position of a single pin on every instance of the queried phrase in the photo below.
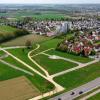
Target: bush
(93, 53)
(21, 32)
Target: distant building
(64, 27)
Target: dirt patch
(17, 89)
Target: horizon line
(49, 3)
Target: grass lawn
(95, 97)
(2, 53)
(70, 56)
(79, 77)
(24, 57)
(16, 63)
(53, 66)
(8, 73)
(47, 45)
(6, 29)
(51, 43)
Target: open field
(12, 61)
(20, 41)
(53, 65)
(68, 81)
(43, 15)
(19, 87)
(95, 97)
(16, 63)
(70, 56)
(7, 30)
(47, 45)
(49, 16)
(8, 33)
(8, 73)
(24, 57)
(81, 76)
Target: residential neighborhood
(82, 43)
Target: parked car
(59, 98)
(80, 92)
(72, 93)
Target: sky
(49, 1)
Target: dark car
(59, 98)
(72, 93)
(80, 92)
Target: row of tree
(19, 32)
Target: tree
(21, 32)
(28, 44)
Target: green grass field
(70, 56)
(79, 77)
(53, 66)
(48, 16)
(24, 57)
(95, 97)
(41, 15)
(6, 29)
(47, 45)
(9, 33)
(8, 73)
(16, 63)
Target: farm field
(49, 16)
(7, 72)
(21, 89)
(81, 76)
(43, 15)
(70, 56)
(53, 65)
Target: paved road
(85, 88)
(90, 95)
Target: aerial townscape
(49, 50)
